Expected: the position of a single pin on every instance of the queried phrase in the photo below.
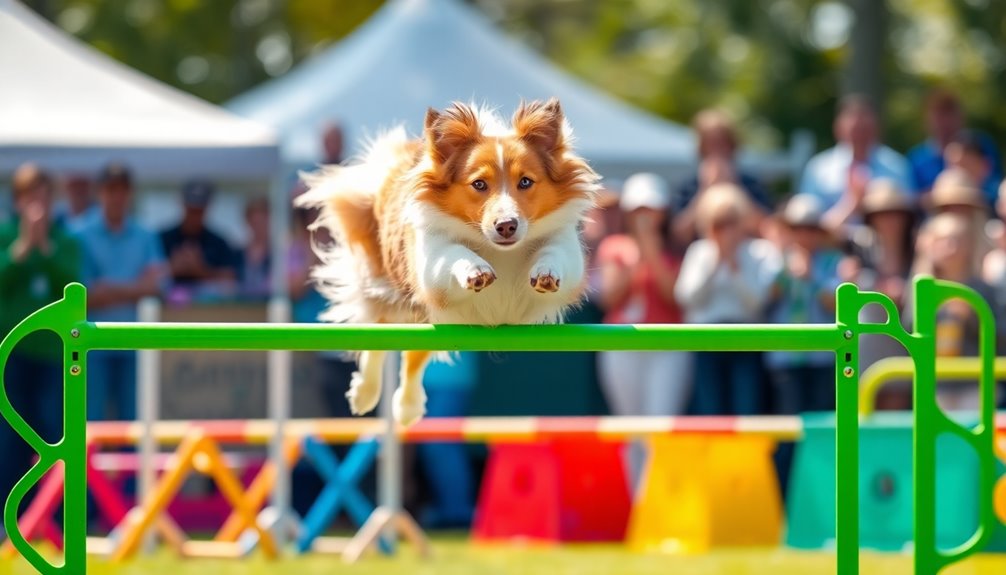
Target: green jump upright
(67, 318)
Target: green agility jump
(67, 318)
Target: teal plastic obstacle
(885, 486)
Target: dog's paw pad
(545, 280)
(408, 410)
(363, 397)
(480, 277)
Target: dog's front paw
(479, 277)
(410, 408)
(545, 278)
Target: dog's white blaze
(506, 208)
(504, 181)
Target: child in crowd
(726, 278)
(804, 292)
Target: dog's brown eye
(525, 183)
(480, 185)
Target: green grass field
(458, 557)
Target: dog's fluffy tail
(349, 275)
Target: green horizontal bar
(320, 337)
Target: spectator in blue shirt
(945, 120)
(857, 157)
(122, 263)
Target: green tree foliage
(215, 49)
(774, 64)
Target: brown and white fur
(475, 223)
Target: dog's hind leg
(409, 404)
(365, 387)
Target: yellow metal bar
(952, 369)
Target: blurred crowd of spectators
(717, 248)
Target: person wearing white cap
(804, 292)
(638, 274)
(726, 278)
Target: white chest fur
(510, 299)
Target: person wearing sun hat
(804, 292)
(639, 270)
(880, 252)
(885, 241)
(954, 191)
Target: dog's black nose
(506, 228)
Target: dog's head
(504, 184)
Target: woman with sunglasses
(726, 277)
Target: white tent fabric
(414, 54)
(68, 107)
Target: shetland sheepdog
(476, 222)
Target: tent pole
(390, 472)
(279, 362)
(148, 399)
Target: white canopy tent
(413, 54)
(68, 107)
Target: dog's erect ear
(431, 119)
(541, 125)
(449, 131)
